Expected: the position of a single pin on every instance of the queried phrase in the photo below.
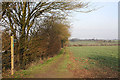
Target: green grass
(33, 69)
(66, 61)
(98, 56)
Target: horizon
(91, 39)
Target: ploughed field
(95, 61)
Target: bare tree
(20, 18)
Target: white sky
(100, 24)
(102, 0)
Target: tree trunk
(61, 43)
(21, 51)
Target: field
(96, 61)
(93, 42)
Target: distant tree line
(103, 40)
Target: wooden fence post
(12, 55)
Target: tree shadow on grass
(106, 61)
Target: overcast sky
(100, 24)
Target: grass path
(55, 67)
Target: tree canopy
(39, 27)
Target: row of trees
(39, 28)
